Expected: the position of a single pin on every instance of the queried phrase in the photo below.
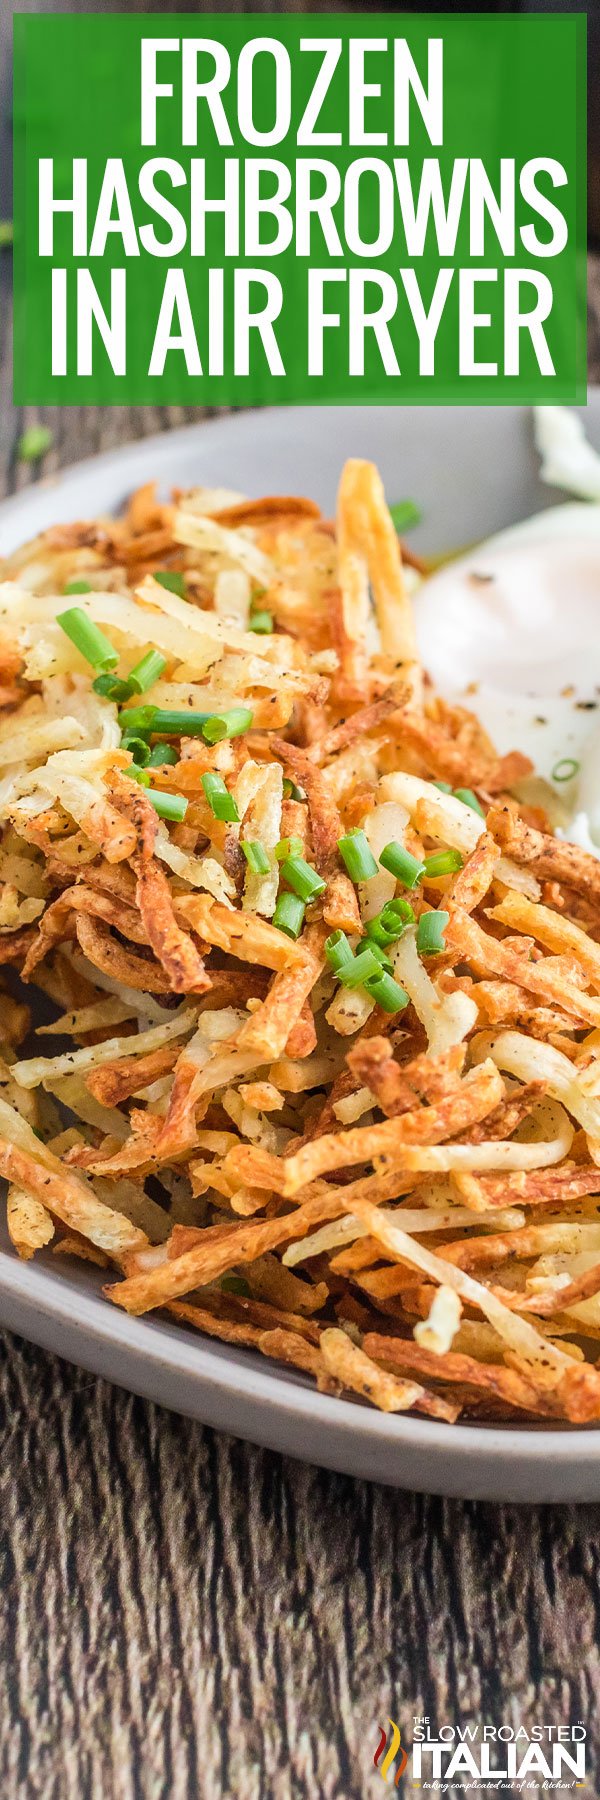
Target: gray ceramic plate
(472, 471)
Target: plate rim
(13, 504)
(147, 1337)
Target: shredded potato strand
(388, 1181)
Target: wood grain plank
(186, 1616)
(183, 1614)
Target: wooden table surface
(185, 1616)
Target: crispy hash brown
(323, 1075)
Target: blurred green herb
(34, 443)
(404, 514)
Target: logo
(394, 1746)
(486, 1758)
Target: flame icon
(395, 1745)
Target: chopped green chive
(469, 799)
(465, 794)
(227, 725)
(256, 857)
(235, 1284)
(180, 724)
(446, 862)
(160, 754)
(430, 933)
(337, 950)
(289, 914)
(34, 443)
(378, 933)
(77, 587)
(404, 513)
(292, 846)
(399, 908)
(363, 967)
(399, 862)
(158, 718)
(88, 639)
(378, 951)
(262, 622)
(291, 792)
(391, 922)
(357, 856)
(138, 748)
(221, 802)
(111, 687)
(138, 718)
(148, 670)
(390, 996)
(302, 878)
(172, 581)
(168, 806)
(566, 769)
